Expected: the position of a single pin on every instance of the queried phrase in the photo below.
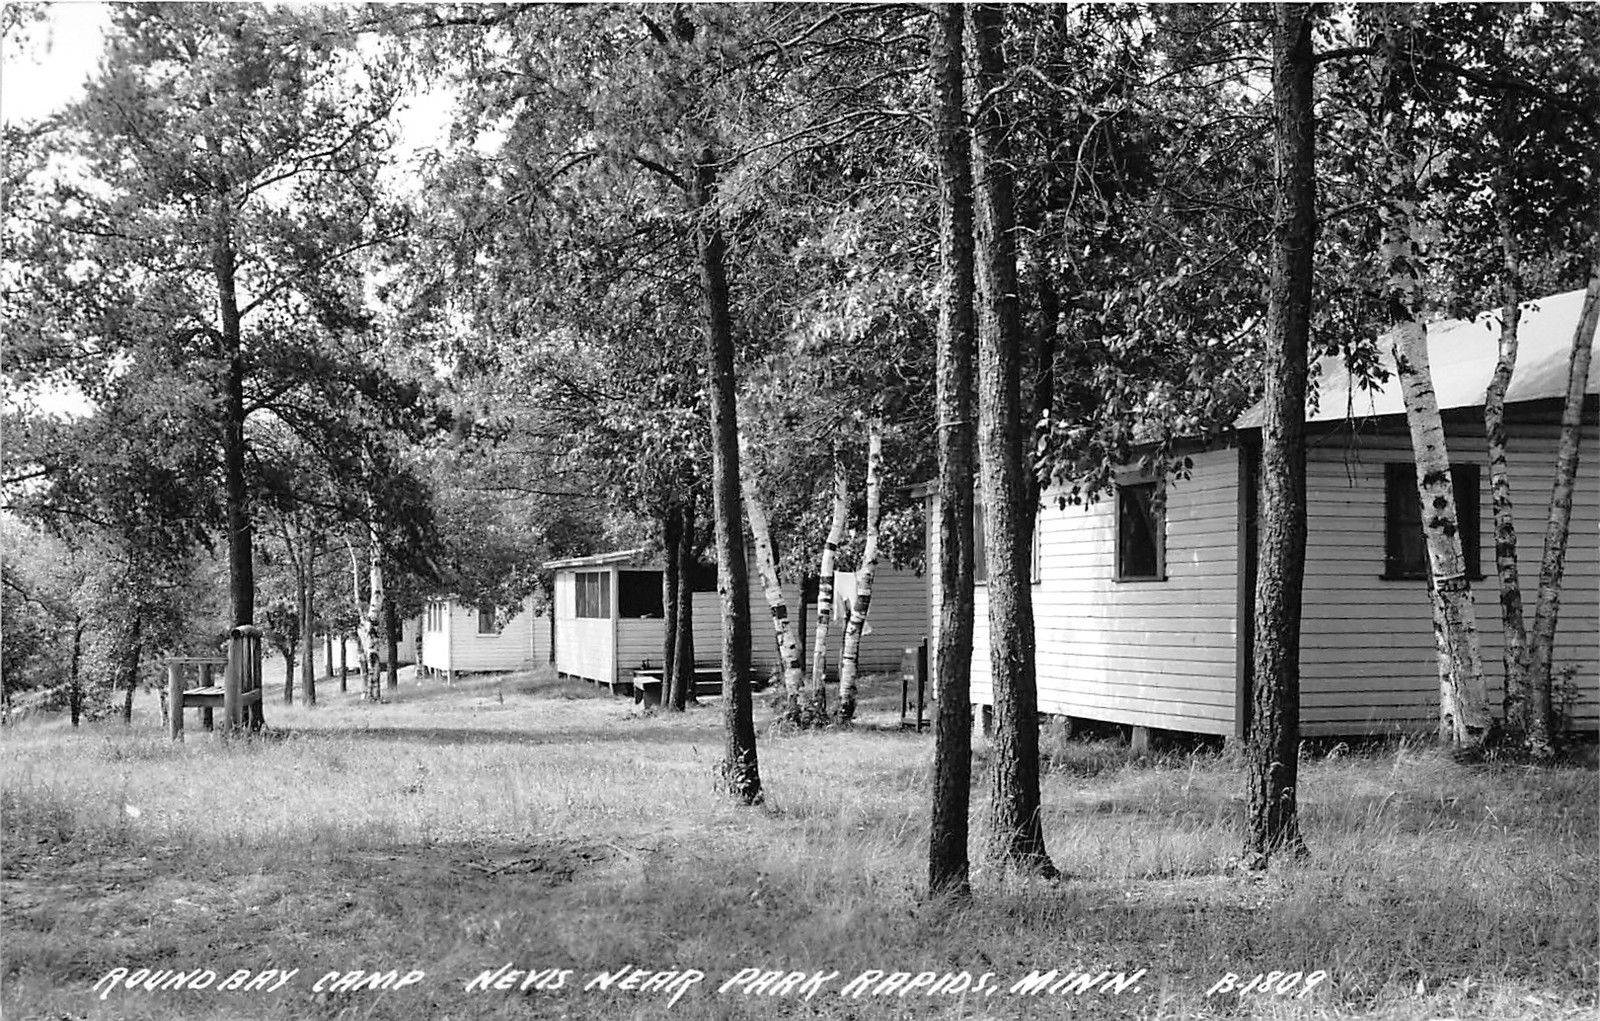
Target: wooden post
(175, 701)
(1139, 743)
(207, 714)
(231, 717)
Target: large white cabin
(1143, 607)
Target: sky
(44, 68)
(47, 70)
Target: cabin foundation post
(1139, 741)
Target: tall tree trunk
(1463, 700)
(288, 650)
(1559, 519)
(818, 695)
(948, 866)
(849, 660)
(1273, 747)
(241, 555)
(344, 662)
(1016, 834)
(308, 652)
(327, 650)
(128, 662)
(683, 687)
(740, 770)
(671, 578)
(391, 634)
(75, 674)
(772, 587)
(1514, 697)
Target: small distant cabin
(609, 620)
(1144, 600)
(410, 642)
(460, 639)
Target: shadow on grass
(620, 734)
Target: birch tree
(1553, 562)
(1463, 698)
(818, 695)
(861, 607)
(789, 661)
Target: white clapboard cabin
(461, 639)
(1143, 604)
(609, 621)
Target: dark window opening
(639, 595)
(1405, 541)
(486, 618)
(1141, 539)
(702, 577)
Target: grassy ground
(532, 823)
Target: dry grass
(526, 820)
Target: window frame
(592, 595)
(1402, 506)
(981, 544)
(1157, 526)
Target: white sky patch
(46, 70)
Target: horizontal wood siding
(639, 643)
(406, 652)
(511, 648)
(898, 618)
(583, 645)
(541, 637)
(1367, 659)
(1158, 654)
(764, 657)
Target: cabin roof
(1462, 355)
(626, 556)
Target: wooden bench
(647, 684)
(240, 687)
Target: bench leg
(174, 703)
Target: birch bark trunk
(1558, 522)
(1463, 699)
(818, 694)
(772, 587)
(1514, 697)
(849, 659)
